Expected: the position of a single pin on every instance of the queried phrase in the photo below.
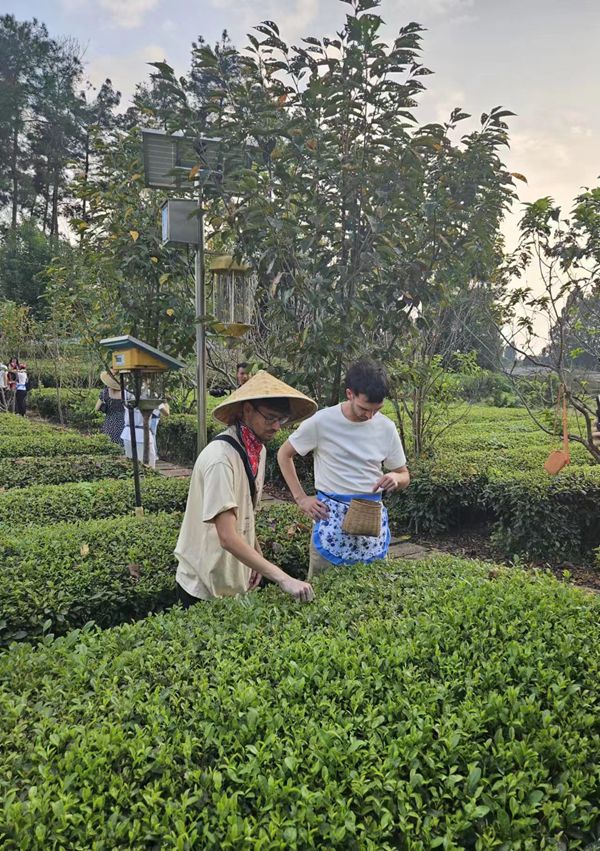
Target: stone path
(398, 548)
(172, 471)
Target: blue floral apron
(341, 548)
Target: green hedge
(44, 504)
(78, 407)
(529, 513)
(177, 438)
(56, 443)
(542, 517)
(62, 576)
(22, 472)
(284, 535)
(429, 705)
(58, 577)
(12, 425)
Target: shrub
(284, 535)
(418, 706)
(56, 443)
(177, 438)
(546, 518)
(72, 371)
(439, 498)
(77, 405)
(22, 472)
(12, 425)
(44, 504)
(483, 385)
(58, 577)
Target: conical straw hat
(264, 386)
(109, 380)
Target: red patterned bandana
(252, 445)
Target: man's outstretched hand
(301, 591)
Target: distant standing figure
(111, 404)
(11, 375)
(138, 420)
(4, 394)
(242, 375)
(21, 390)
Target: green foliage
(416, 706)
(73, 373)
(177, 437)
(490, 388)
(22, 472)
(146, 287)
(542, 518)
(76, 405)
(490, 469)
(24, 258)
(284, 535)
(59, 443)
(43, 504)
(59, 577)
(352, 214)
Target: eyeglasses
(271, 420)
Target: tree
(353, 216)
(148, 285)
(24, 50)
(557, 329)
(24, 259)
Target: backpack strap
(227, 438)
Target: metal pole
(200, 331)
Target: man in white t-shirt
(350, 442)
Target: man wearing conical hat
(217, 550)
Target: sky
(538, 58)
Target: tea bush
(490, 470)
(77, 405)
(56, 443)
(22, 472)
(541, 518)
(12, 425)
(44, 504)
(58, 577)
(284, 535)
(438, 704)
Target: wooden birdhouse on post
(233, 288)
(141, 370)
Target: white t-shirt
(348, 456)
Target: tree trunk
(14, 175)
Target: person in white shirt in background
(21, 390)
(163, 408)
(350, 442)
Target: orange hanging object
(560, 457)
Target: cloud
(123, 14)
(127, 14)
(292, 18)
(125, 71)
